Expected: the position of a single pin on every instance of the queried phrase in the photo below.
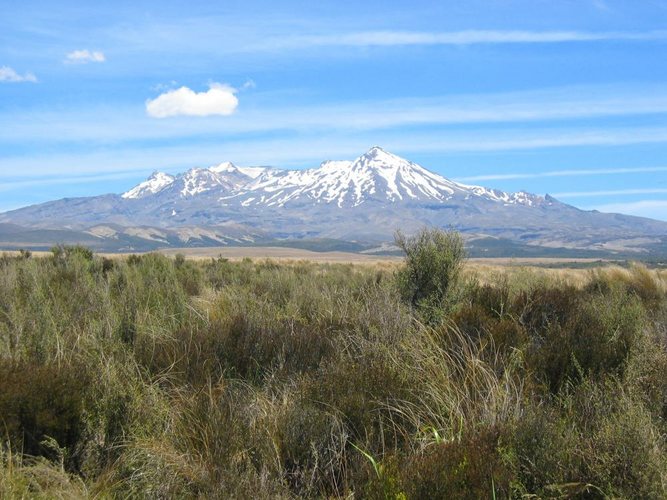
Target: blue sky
(564, 97)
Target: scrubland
(157, 377)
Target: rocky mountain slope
(364, 200)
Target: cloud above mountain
(455, 38)
(84, 56)
(219, 99)
(10, 75)
(642, 208)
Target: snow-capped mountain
(365, 199)
(376, 176)
(225, 176)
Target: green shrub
(625, 456)
(576, 336)
(312, 446)
(255, 345)
(188, 356)
(546, 449)
(476, 322)
(473, 467)
(360, 392)
(433, 261)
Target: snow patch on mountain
(252, 172)
(199, 180)
(229, 167)
(154, 184)
(225, 166)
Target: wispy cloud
(84, 56)
(310, 149)
(65, 180)
(559, 104)
(248, 84)
(655, 209)
(561, 173)
(467, 37)
(608, 192)
(601, 5)
(518, 140)
(219, 99)
(10, 75)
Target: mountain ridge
(362, 200)
(333, 179)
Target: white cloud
(249, 84)
(219, 99)
(8, 74)
(294, 149)
(561, 173)
(84, 56)
(467, 37)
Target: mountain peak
(378, 154)
(155, 183)
(225, 166)
(375, 150)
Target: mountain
(376, 176)
(362, 201)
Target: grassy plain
(160, 377)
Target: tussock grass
(158, 377)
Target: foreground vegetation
(157, 377)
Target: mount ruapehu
(354, 205)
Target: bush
(433, 261)
(473, 467)
(575, 336)
(312, 447)
(596, 441)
